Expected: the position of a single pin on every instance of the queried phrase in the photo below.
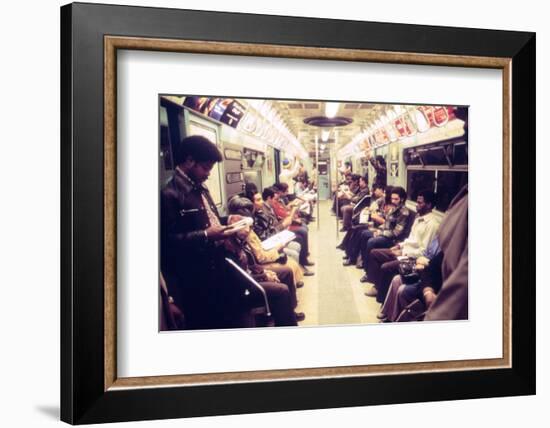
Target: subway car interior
(315, 213)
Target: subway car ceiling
(424, 146)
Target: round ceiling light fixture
(327, 122)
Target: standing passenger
(191, 255)
(451, 302)
(288, 173)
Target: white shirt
(423, 231)
(287, 175)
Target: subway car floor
(334, 295)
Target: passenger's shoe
(359, 265)
(299, 284)
(348, 262)
(364, 278)
(300, 316)
(371, 292)
(381, 315)
(340, 247)
(308, 263)
(308, 272)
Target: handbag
(414, 311)
(407, 270)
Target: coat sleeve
(452, 300)
(169, 218)
(400, 226)
(261, 255)
(261, 227)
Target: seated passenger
(391, 232)
(274, 259)
(296, 225)
(347, 210)
(383, 263)
(266, 224)
(347, 193)
(249, 190)
(307, 196)
(379, 210)
(340, 195)
(373, 214)
(281, 296)
(401, 293)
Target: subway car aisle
(334, 295)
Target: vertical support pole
(317, 166)
(337, 202)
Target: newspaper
(283, 238)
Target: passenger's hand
(420, 266)
(287, 222)
(216, 233)
(271, 276)
(429, 297)
(279, 247)
(397, 252)
(423, 261)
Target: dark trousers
(286, 276)
(278, 297)
(382, 267)
(339, 202)
(302, 238)
(372, 243)
(353, 245)
(347, 213)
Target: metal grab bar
(253, 282)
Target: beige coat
(268, 258)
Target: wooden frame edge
(109, 198)
(301, 52)
(507, 213)
(112, 43)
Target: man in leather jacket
(192, 257)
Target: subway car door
(324, 180)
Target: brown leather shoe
(300, 316)
(371, 292)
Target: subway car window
(294, 213)
(449, 184)
(418, 181)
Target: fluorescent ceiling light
(331, 109)
(324, 136)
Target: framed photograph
(212, 163)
